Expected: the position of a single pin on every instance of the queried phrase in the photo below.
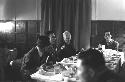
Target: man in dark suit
(51, 50)
(109, 42)
(32, 59)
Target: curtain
(71, 15)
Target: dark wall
(23, 35)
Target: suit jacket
(31, 61)
(66, 50)
(49, 53)
(110, 45)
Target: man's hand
(99, 46)
(63, 47)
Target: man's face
(83, 72)
(107, 37)
(66, 39)
(52, 38)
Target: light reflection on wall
(6, 27)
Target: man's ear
(91, 72)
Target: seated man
(51, 50)
(34, 58)
(109, 42)
(67, 49)
(91, 68)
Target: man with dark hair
(52, 37)
(91, 68)
(32, 59)
(51, 50)
(109, 42)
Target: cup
(103, 47)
